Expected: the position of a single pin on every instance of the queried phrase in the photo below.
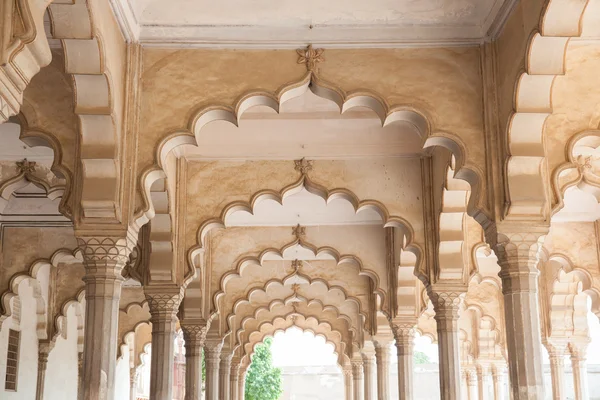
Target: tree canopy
(263, 381)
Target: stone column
(133, 380)
(212, 358)
(472, 384)
(104, 259)
(405, 335)
(482, 381)
(580, 376)
(518, 258)
(382, 356)
(80, 382)
(557, 371)
(242, 384)
(498, 378)
(164, 304)
(234, 377)
(446, 304)
(43, 350)
(224, 376)
(347, 372)
(358, 380)
(464, 384)
(369, 368)
(194, 334)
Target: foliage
(263, 381)
(421, 358)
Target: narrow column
(194, 334)
(382, 356)
(358, 380)
(369, 368)
(446, 305)
(234, 378)
(472, 384)
(482, 381)
(224, 376)
(518, 258)
(133, 380)
(163, 304)
(43, 350)
(212, 357)
(104, 259)
(242, 384)
(580, 376)
(347, 372)
(405, 335)
(80, 375)
(498, 378)
(464, 384)
(557, 371)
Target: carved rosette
(194, 336)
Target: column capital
(194, 334)
(98, 249)
(347, 371)
(163, 301)
(446, 301)
(404, 333)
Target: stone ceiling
(267, 23)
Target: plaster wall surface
(28, 351)
(62, 371)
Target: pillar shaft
(446, 305)
(369, 376)
(163, 305)
(194, 335)
(498, 379)
(80, 383)
(224, 377)
(517, 256)
(482, 381)
(405, 335)
(382, 356)
(133, 377)
(234, 377)
(358, 380)
(41, 372)
(212, 357)
(348, 383)
(557, 371)
(580, 378)
(104, 259)
(242, 385)
(472, 385)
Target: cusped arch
(61, 321)
(544, 61)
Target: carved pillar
(557, 371)
(472, 384)
(369, 368)
(578, 363)
(104, 259)
(518, 258)
(498, 374)
(347, 372)
(194, 335)
(212, 358)
(405, 335)
(446, 304)
(382, 356)
(133, 380)
(80, 375)
(163, 304)
(43, 350)
(224, 376)
(242, 384)
(358, 379)
(483, 373)
(234, 378)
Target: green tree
(263, 381)
(420, 358)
